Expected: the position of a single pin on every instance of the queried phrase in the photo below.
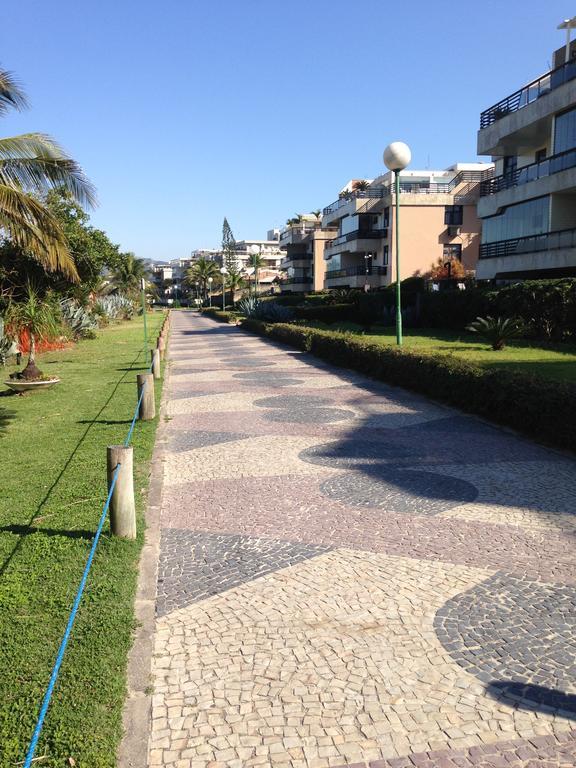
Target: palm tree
(30, 166)
(36, 317)
(200, 272)
(127, 277)
(256, 261)
(317, 213)
(234, 281)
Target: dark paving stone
(399, 490)
(309, 415)
(292, 401)
(187, 441)
(350, 453)
(516, 635)
(269, 378)
(195, 566)
(251, 362)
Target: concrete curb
(133, 750)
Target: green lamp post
(396, 157)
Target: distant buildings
(528, 209)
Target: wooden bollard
(155, 355)
(161, 346)
(122, 507)
(147, 405)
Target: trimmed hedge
(540, 408)
(326, 313)
(220, 315)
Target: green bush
(326, 313)
(220, 315)
(540, 408)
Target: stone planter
(21, 385)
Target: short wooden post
(161, 346)
(155, 354)
(122, 507)
(147, 405)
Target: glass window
(522, 220)
(453, 215)
(385, 256)
(452, 251)
(565, 131)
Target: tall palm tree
(256, 261)
(128, 275)
(30, 166)
(200, 272)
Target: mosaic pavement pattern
(352, 576)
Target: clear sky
(183, 112)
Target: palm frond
(31, 226)
(36, 163)
(11, 94)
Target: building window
(510, 163)
(452, 251)
(540, 155)
(521, 220)
(565, 131)
(386, 218)
(385, 256)
(453, 215)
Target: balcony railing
(332, 274)
(298, 231)
(548, 241)
(553, 164)
(409, 187)
(358, 234)
(529, 93)
(297, 257)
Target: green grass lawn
(551, 361)
(53, 485)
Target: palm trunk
(31, 371)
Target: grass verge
(552, 361)
(53, 480)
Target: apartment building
(437, 219)
(303, 241)
(269, 249)
(528, 207)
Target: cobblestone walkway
(351, 575)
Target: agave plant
(496, 330)
(269, 311)
(79, 320)
(115, 307)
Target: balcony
(548, 241)
(551, 165)
(359, 271)
(529, 93)
(298, 232)
(358, 234)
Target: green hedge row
(220, 315)
(540, 408)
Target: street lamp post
(396, 157)
(210, 291)
(224, 272)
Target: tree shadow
(6, 417)
(535, 698)
(104, 421)
(26, 529)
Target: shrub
(497, 330)
(328, 313)
(540, 408)
(269, 311)
(219, 314)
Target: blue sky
(182, 112)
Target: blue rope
(129, 435)
(64, 643)
(78, 598)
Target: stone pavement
(352, 575)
